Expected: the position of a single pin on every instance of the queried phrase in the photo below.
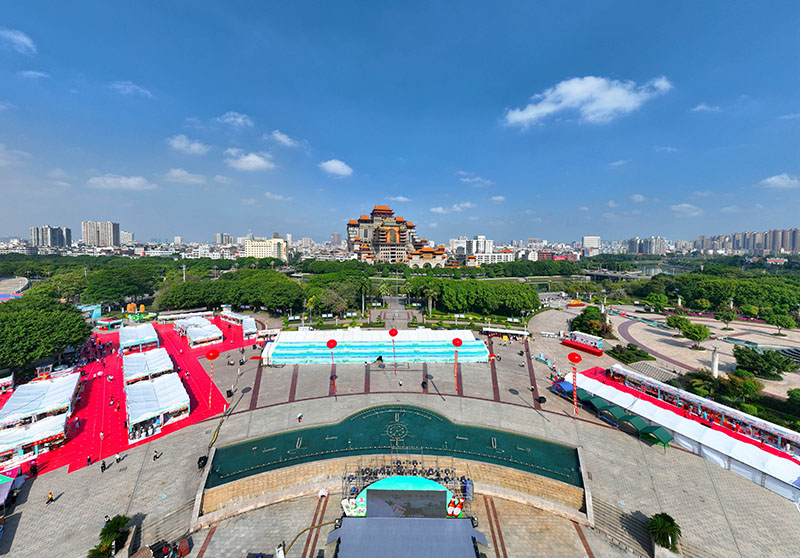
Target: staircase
(169, 528)
(628, 531)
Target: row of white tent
(137, 366)
(198, 330)
(156, 397)
(137, 336)
(39, 397)
(778, 474)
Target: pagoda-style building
(382, 237)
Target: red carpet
(96, 414)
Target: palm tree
(431, 290)
(383, 288)
(664, 531)
(363, 283)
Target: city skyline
(250, 121)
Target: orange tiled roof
(383, 208)
(352, 222)
(410, 225)
(505, 251)
(364, 218)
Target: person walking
(299, 417)
(106, 519)
(88, 460)
(155, 455)
(50, 498)
(117, 458)
(103, 466)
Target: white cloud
(455, 208)
(598, 100)
(249, 201)
(665, 148)
(472, 178)
(701, 193)
(9, 157)
(185, 145)
(336, 167)
(610, 216)
(401, 199)
(638, 198)
(182, 176)
(283, 139)
(33, 74)
(276, 197)
(5, 105)
(222, 179)
(498, 198)
(731, 209)
(702, 107)
(611, 203)
(59, 177)
(236, 120)
(790, 116)
(130, 89)
(686, 210)
(583, 208)
(119, 182)
(239, 160)
(780, 182)
(620, 163)
(18, 40)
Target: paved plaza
(720, 513)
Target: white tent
(39, 431)
(198, 330)
(779, 474)
(39, 397)
(232, 317)
(137, 336)
(136, 366)
(249, 327)
(152, 398)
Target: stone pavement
(716, 509)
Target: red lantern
(457, 342)
(393, 332)
(574, 358)
(212, 354)
(332, 343)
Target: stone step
(169, 528)
(626, 530)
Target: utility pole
(184, 273)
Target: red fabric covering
(97, 415)
(582, 347)
(597, 373)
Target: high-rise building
(177, 240)
(590, 242)
(100, 233)
(272, 248)
(126, 237)
(54, 237)
(652, 246)
(383, 237)
(306, 242)
(288, 238)
(276, 234)
(336, 240)
(223, 238)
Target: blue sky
(514, 120)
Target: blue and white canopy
(151, 398)
(135, 336)
(249, 327)
(36, 398)
(136, 366)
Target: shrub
(749, 409)
(664, 531)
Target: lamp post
(211, 356)
(456, 343)
(332, 345)
(393, 334)
(574, 358)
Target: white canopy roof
(232, 315)
(775, 466)
(356, 334)
(198, 329)
(501, 331)
(141, 365)
(39, 397)
(151, 398)
(11, 438)
(249, 326)
(132, 336)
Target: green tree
(725, 316)
(765, 364)
(741, 384)
(702, 304)
(781, 322)
(592, 321)
(696, 332)
(657, 301)
(664, 531)
(749, 310)
(677, 322)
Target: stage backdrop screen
(406, 503)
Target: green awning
(599, 403)
(583, 395)
(661, 434)
(617, 412)
(637, 422)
